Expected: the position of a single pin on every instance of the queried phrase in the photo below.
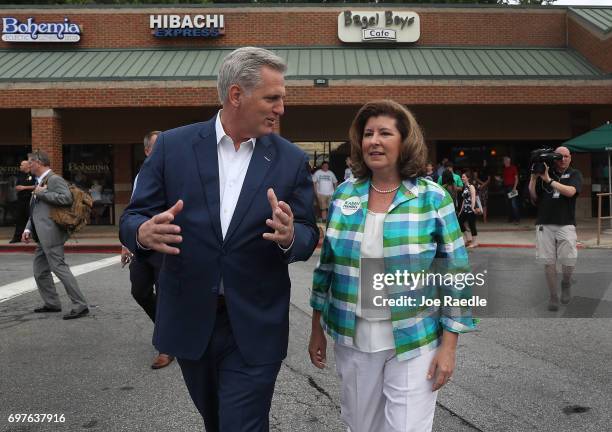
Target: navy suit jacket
(255, 274)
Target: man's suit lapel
(262, 159)
(208, 169)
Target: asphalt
(519, 373)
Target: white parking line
(23, 286)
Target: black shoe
(15, 240)
(47, 309)
(74, 314)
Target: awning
(599, 139)
(303, 63)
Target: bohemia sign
(388, 26)
(206, 26)
(30, 31)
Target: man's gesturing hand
(281, 222)
(158, 232)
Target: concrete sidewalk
(494, 234)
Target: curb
(104, 249)
(504, 246)
(116, 249)
(112, 249)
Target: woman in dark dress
(482, 179)
(467, 213)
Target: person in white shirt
(325, 183)
(348, 172)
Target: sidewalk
(494, 234)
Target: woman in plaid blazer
(395, 334)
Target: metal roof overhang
(601, 18)
(341, 63)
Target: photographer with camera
(554, 193)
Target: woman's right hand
(317, 348)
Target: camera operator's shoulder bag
(73, 217)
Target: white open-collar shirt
(42, 176)
(233, 167)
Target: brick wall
(449, 93)
(47, 136)
(129, 28)
(591, 44)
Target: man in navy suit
(229, 203)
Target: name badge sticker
(351, 205)
(565, 176)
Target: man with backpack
(51, 191)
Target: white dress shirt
(42, 176)
(233, 167)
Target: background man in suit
(24, 188)
(144, 271)
(51, 190)
(230, 204)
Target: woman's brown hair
(413, 151)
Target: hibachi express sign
(387, 26)
(207, 26)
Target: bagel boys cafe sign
(387, 26)
(28, 30)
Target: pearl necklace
(385, 191)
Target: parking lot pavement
(514, 374)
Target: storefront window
(10, 158)
(90, 168)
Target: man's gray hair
(41, 157)
(243, 67)
(148, 137)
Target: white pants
(381, 394)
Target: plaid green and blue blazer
(420, 233)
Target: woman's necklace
(385, 191)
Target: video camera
(541, 156)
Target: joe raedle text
(423, 301)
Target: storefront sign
(100, 168)
(387, 26)
(207, 26)
(30, 31)
(8, 170)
